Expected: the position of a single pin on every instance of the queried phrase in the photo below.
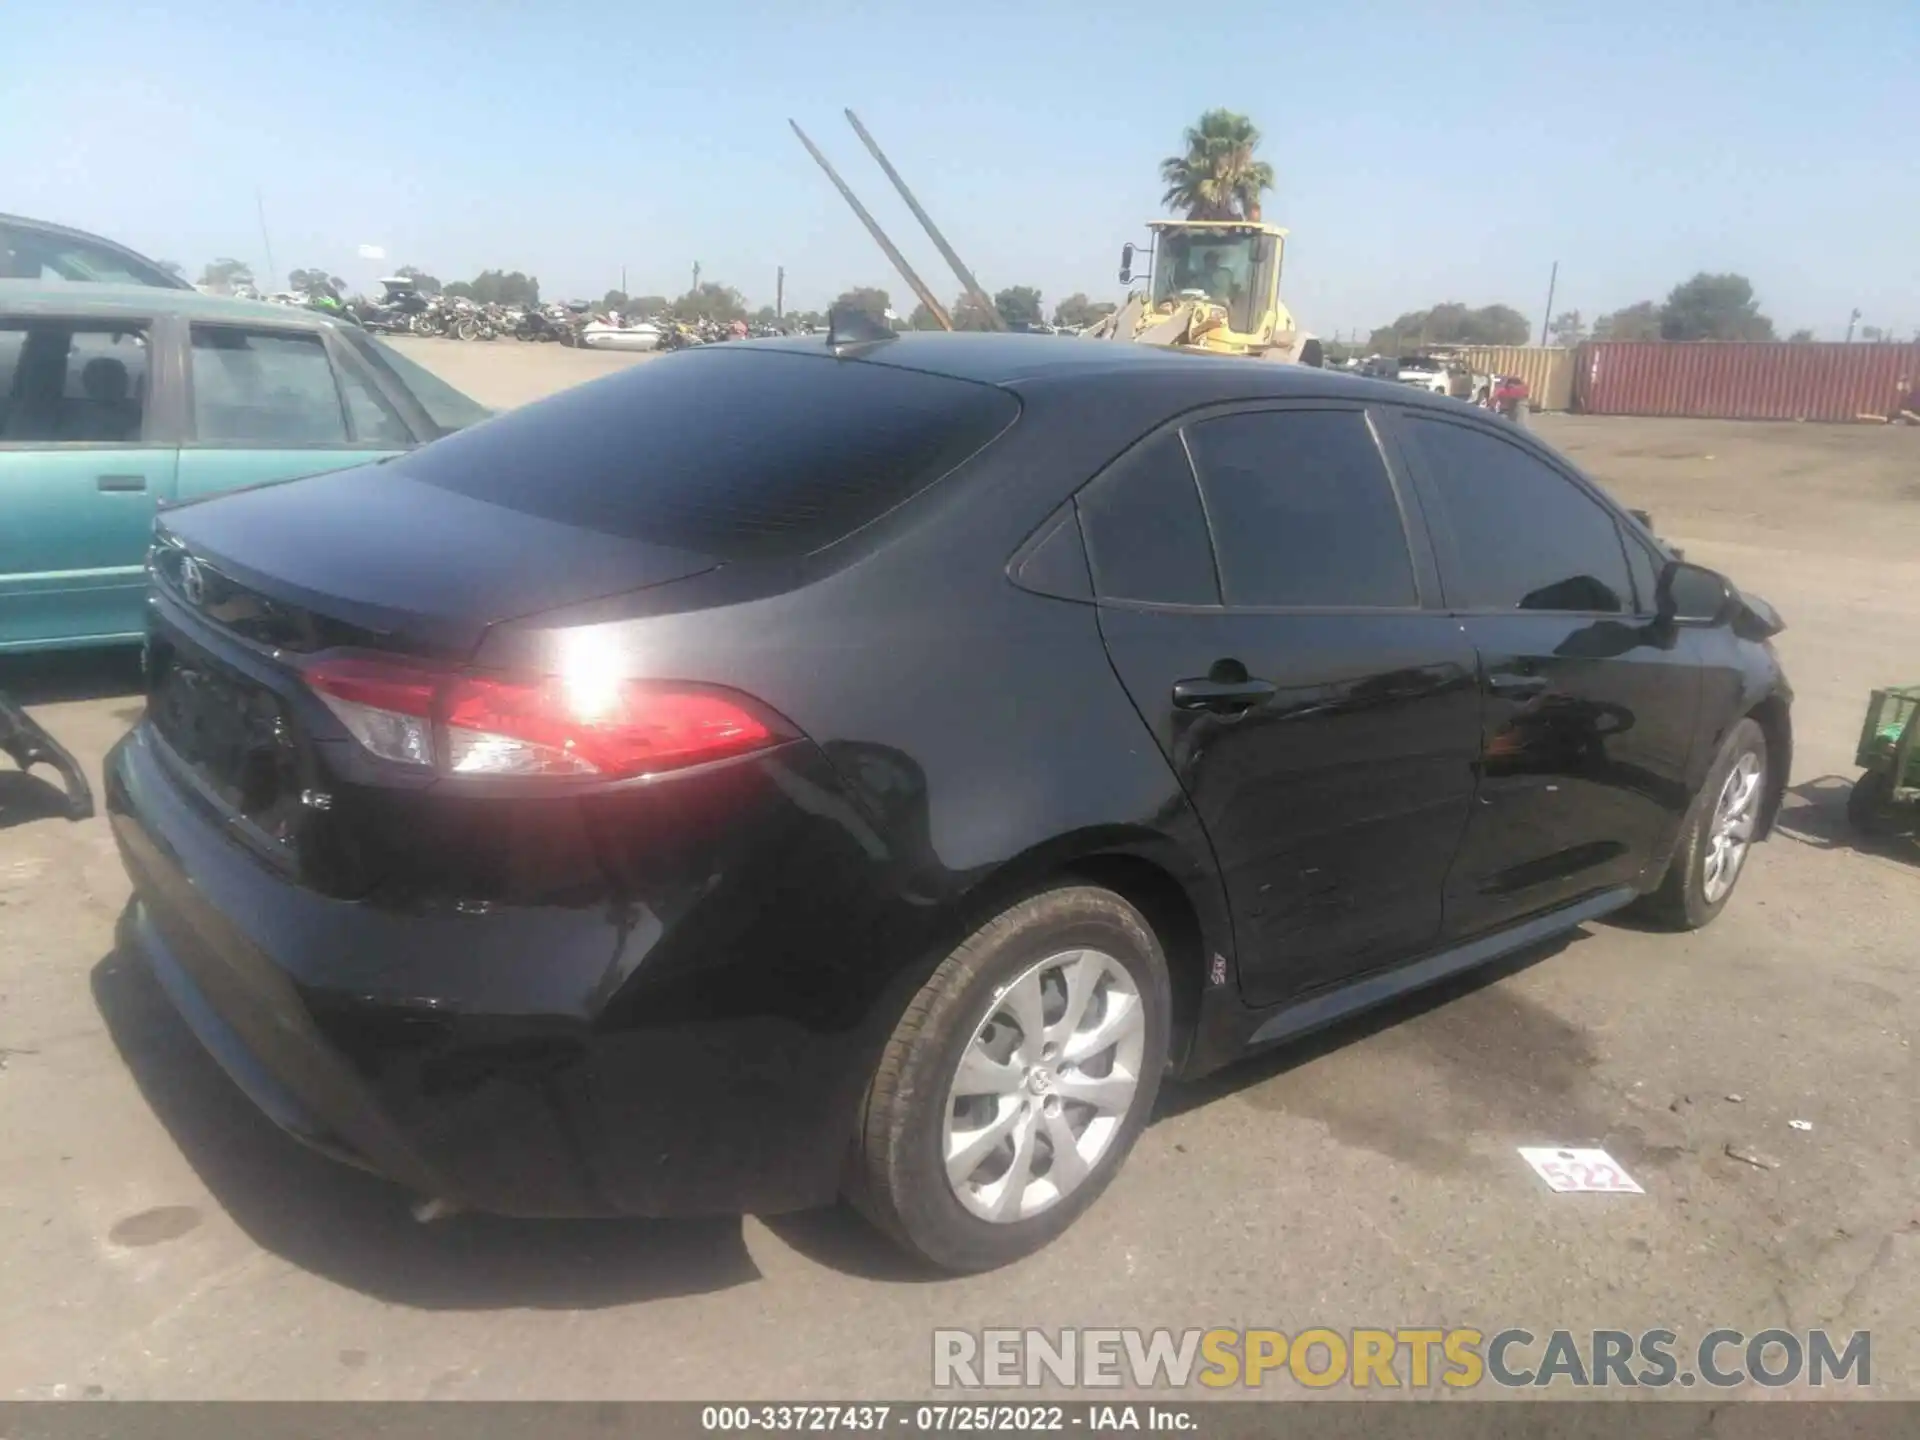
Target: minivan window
(1145, 533)
(1302, 510)
(1524, 537)
(734, 452)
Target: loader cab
(1235, 265)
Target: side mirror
(1692, 595)
(1126, 264)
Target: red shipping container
(1711, 380)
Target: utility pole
(696, 275)
(1852, 320)
(260, 204)
(1553, 281)
(780, 292)
(623, 279)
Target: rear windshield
(733, 451)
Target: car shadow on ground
(1815, 814)
(65, 675)
(356, 1230)
(25, 797)
(1177, 1097)
(841, 1239)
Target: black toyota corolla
(798, 769)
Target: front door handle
(121, 483)
(1223, 697)
(1517, 686)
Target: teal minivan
(116, 401)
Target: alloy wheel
(1735, 815)
(1044, 1085)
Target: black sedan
(791, 769)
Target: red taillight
(482, 725)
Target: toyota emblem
(193, 581)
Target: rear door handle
(1223, 697)
(119, 483)
(1516, 686)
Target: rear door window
(273, 389)
(733, 452)
(1303, 510)
(445, 406)
(1146, 534)
(370, 415)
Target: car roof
(161, 281)
(85, 300)
(1012, 359)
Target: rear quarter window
(735, 452)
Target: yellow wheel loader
(1213, 285)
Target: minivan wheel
(1016, 1082)
(1719, 835)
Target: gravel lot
(159, 1239)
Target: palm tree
(1218, 178)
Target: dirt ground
(158, 1238)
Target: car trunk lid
(369, 557)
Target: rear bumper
(635, 1067)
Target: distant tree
(1079, 312)
(869, 298)
(615, 300)
(711, 301)
(315, 279)
(499, 287)
(806, 319)
(1217, 177)
(922, 318)
(970, 314)
(1567, 328)
(1451, 324)
(644, 305)
(1800, 337)
(1019, 306)
(173, 268)
(426, 284)
(459, 290)
(1635, 322)
(227, 273)
(1714, 307)
(1874, 335)
(764, 316)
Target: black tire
(1870, 805)
(1680, 902)
(897, 1173)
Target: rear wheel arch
(1143, 880)
(1170, 911)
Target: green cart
(1886, 799)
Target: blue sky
(1425, 152)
